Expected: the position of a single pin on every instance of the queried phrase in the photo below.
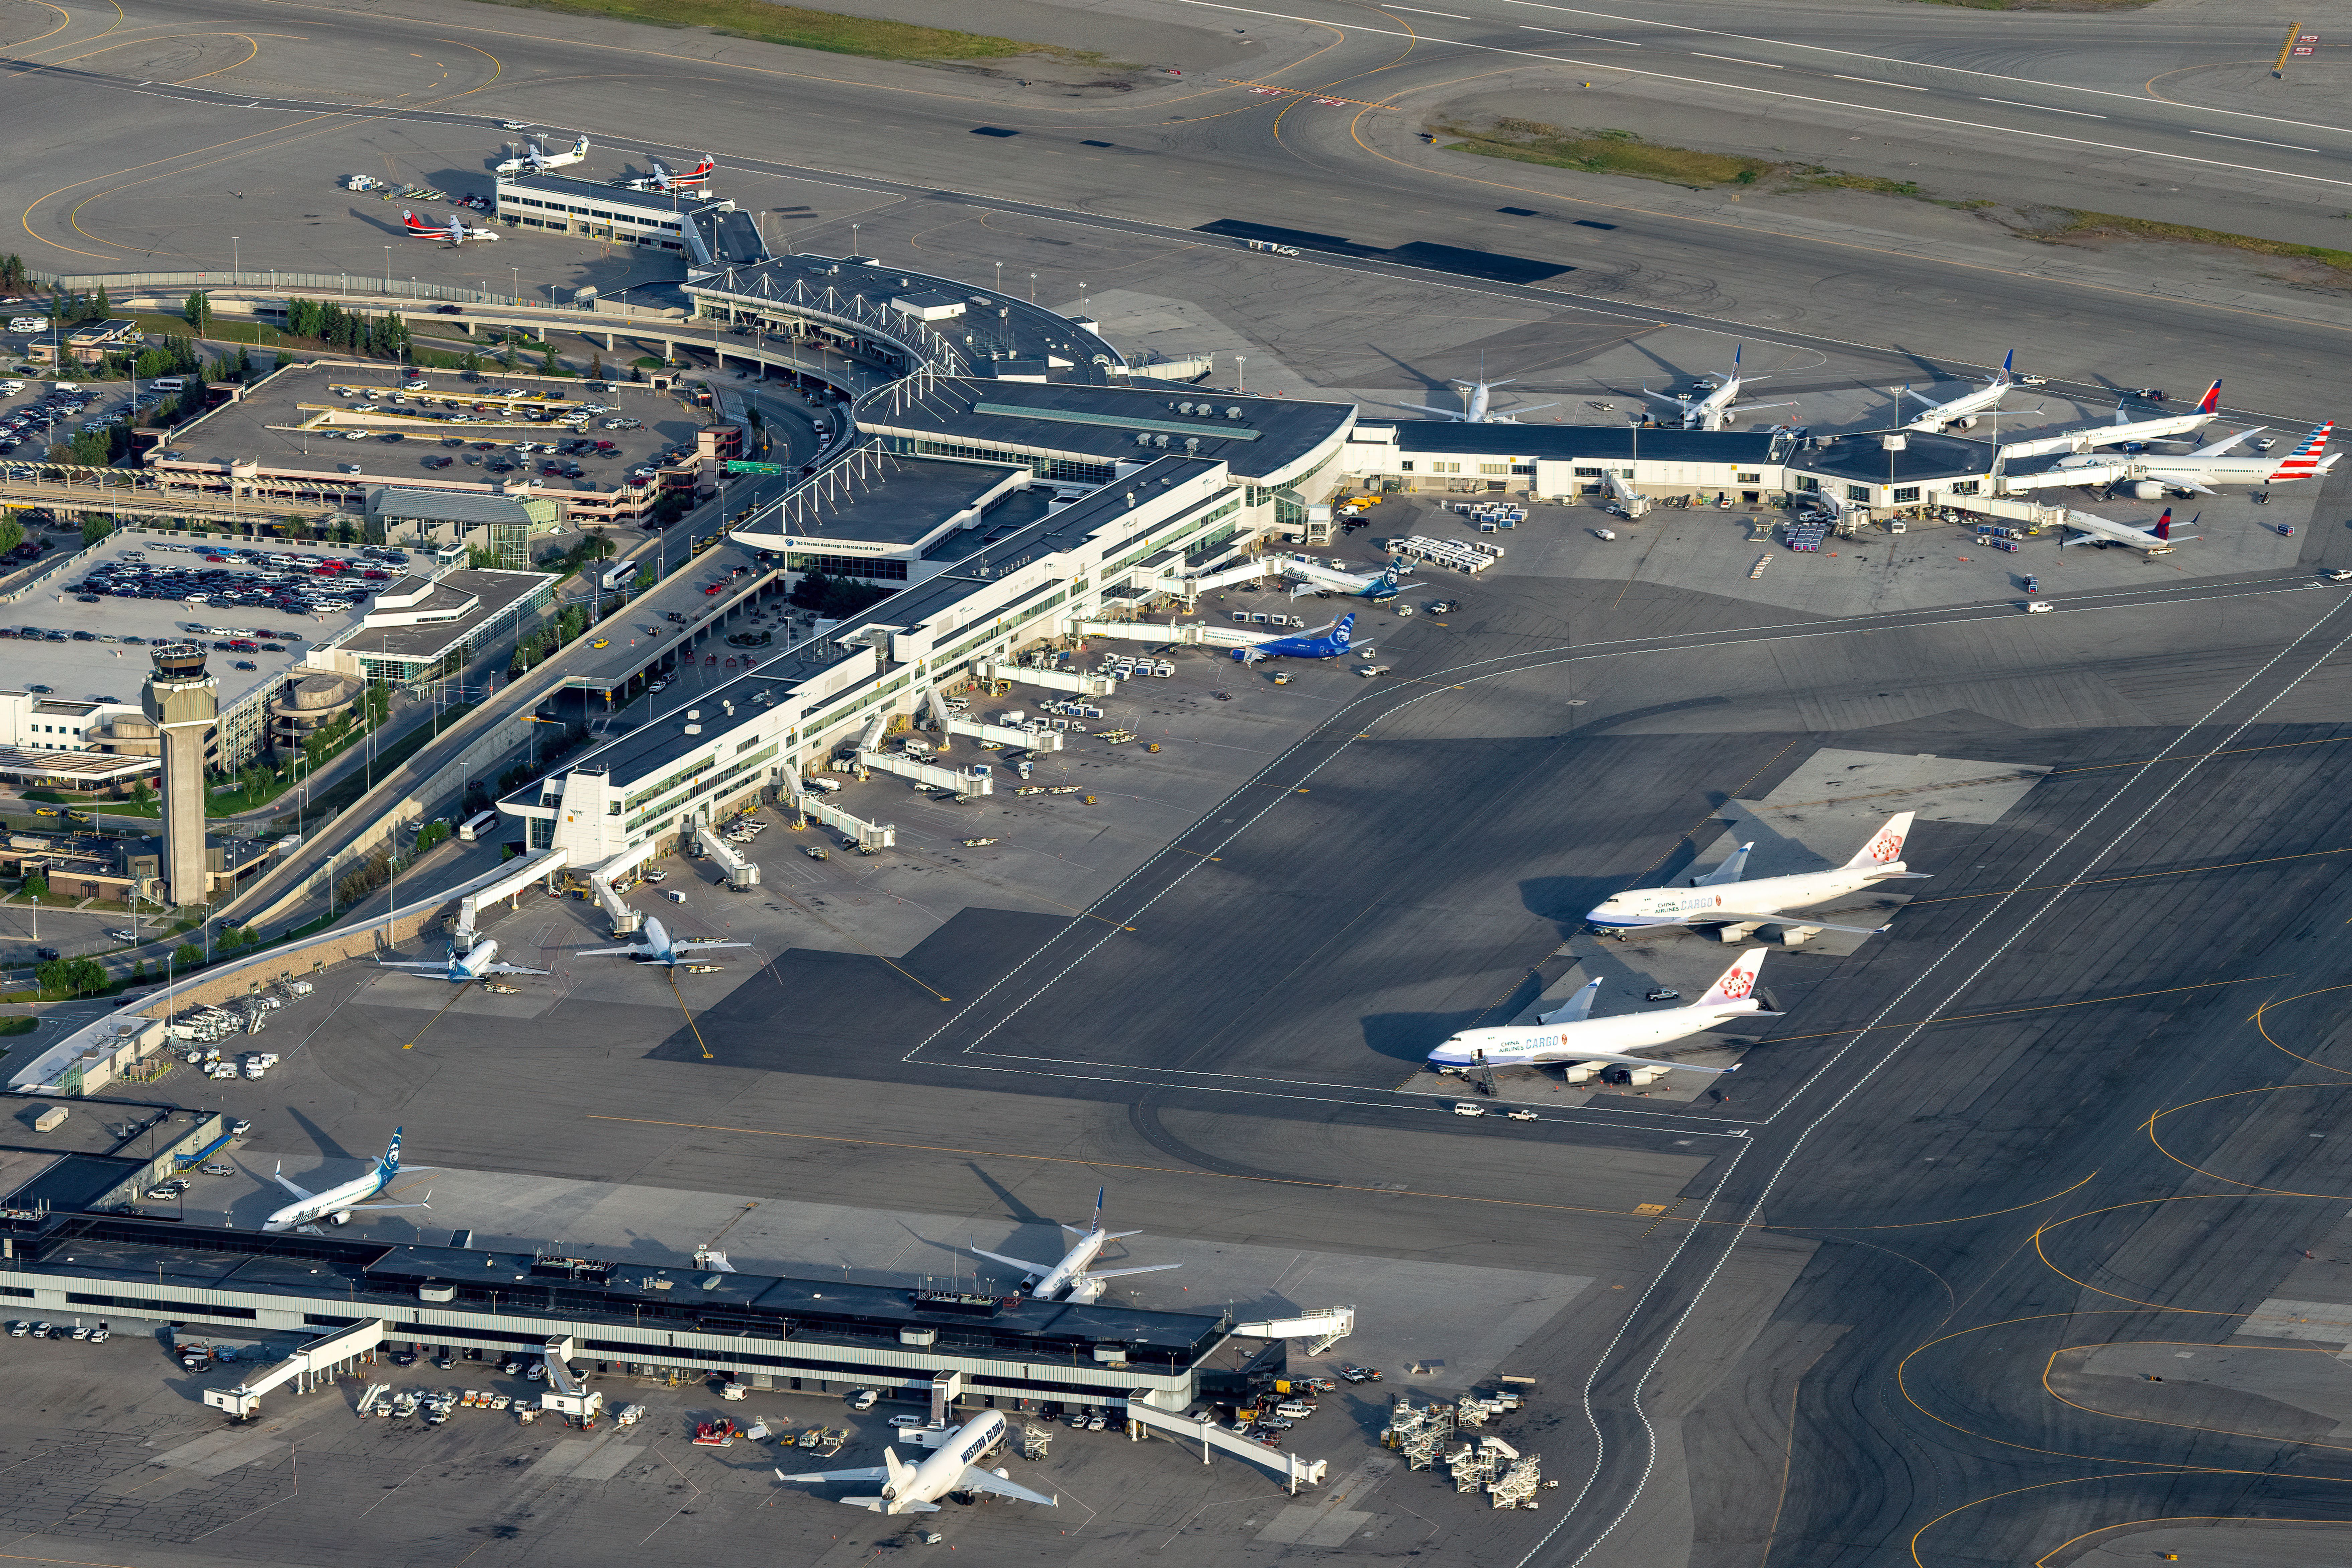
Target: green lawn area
(2091, 225)
(800, 28)
(1608, 152)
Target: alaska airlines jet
(457, 971)
(1375, 586)
(1963, 410)
(1307, 644)
(453, 233)
(953, 1467)
(1721, 897)
(1713, 411)
(1571, 1034)
(338, 1202)
(1073, 1276)
(659, 947)
(2155, 540)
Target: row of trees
(384, 336)
(532, 650)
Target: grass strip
(2042, 5)
(800, 28)
(1608, 152)
(2091, 225)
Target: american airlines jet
(1571, 1034)
(1720, 897)
(1713, 410)
(2201, 471)
(455, 232)
(953, 1467)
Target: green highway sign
(737, 465)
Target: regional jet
(2157, 540)
(659, 947)
(1571, 1034)
(537, 159)
(1719, 897)
(1073, 1276)
(1477, 407)
(665, 179)
(455, 232)
(1331, 640)
(1711, 410)
(954, 1467)
(337, 1203)
(457, 970)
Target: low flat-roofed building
(1558, 461)
(501, 525)
(890, 519)
(423, 628)
(562, 205)
(1865, 470)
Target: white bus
(620, 575)
(477, 828)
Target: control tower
(183, 702)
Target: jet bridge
(1142, 1419)
(1193, 587)
(509, 885)
(741, 872)
(565, 1393)
(320, 1361)
(1002, 735)
(1621, 492)
(1051, 679)
(627, 921)
(868, 837)
(1200, 633)
(1321, 1329)
(922, 773)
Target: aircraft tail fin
(390, 1163)
(1737, 982)
(2007, 363)
(2304, 462)
(2211, 402)
(1576, 1009)
(1345, 632)
(1885, 846)
(1733, 865)
(2163, 529)
(902, 1474)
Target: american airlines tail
(1885, 846)
(1736, 983)
(2305, 461)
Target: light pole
(236, 263)
(387, 270)
(517, 271)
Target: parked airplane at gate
(1477, 402)
(666, 179)
(536, 160)
(1962, 410)
(1713, 411)
(482, 961)
(1375, 586)
(337, 1203)
(954, 1467)
(659, 947)
(2155, 540)
(2199, 471)
(1073, 1276)
(455, 232)
(1328, 641)
(1719, 897)
(1571, 1034)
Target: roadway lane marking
(1802, 97)
(1417, 11)
(1930, 65)
(2255, 139)
(1594, 37)
(1873, 81)
(2079, 114)
(1734, 59)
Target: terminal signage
(738, 466)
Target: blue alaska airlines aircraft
(1307, 644)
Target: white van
(168, 383)
(1464, 1107)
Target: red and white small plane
(454, 231)
(666, 179)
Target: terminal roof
(1924, 456)
(1564, 443)
(1265, 436)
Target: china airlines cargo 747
(1719, 897)
(1572, 1035)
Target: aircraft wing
(2218, 447)
(1655, 1062)
(608, 952)
(509, 969)
(975, 1480)
(2191, 480)
(355, 1208)
(1786, 919)
(1576, 1009)
(1512, 416)
(440, 968)
(1039, 1270)
(876, 1474)
(1117, 1273)
(1425, 409)
(279, 1177)
(697, 945)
